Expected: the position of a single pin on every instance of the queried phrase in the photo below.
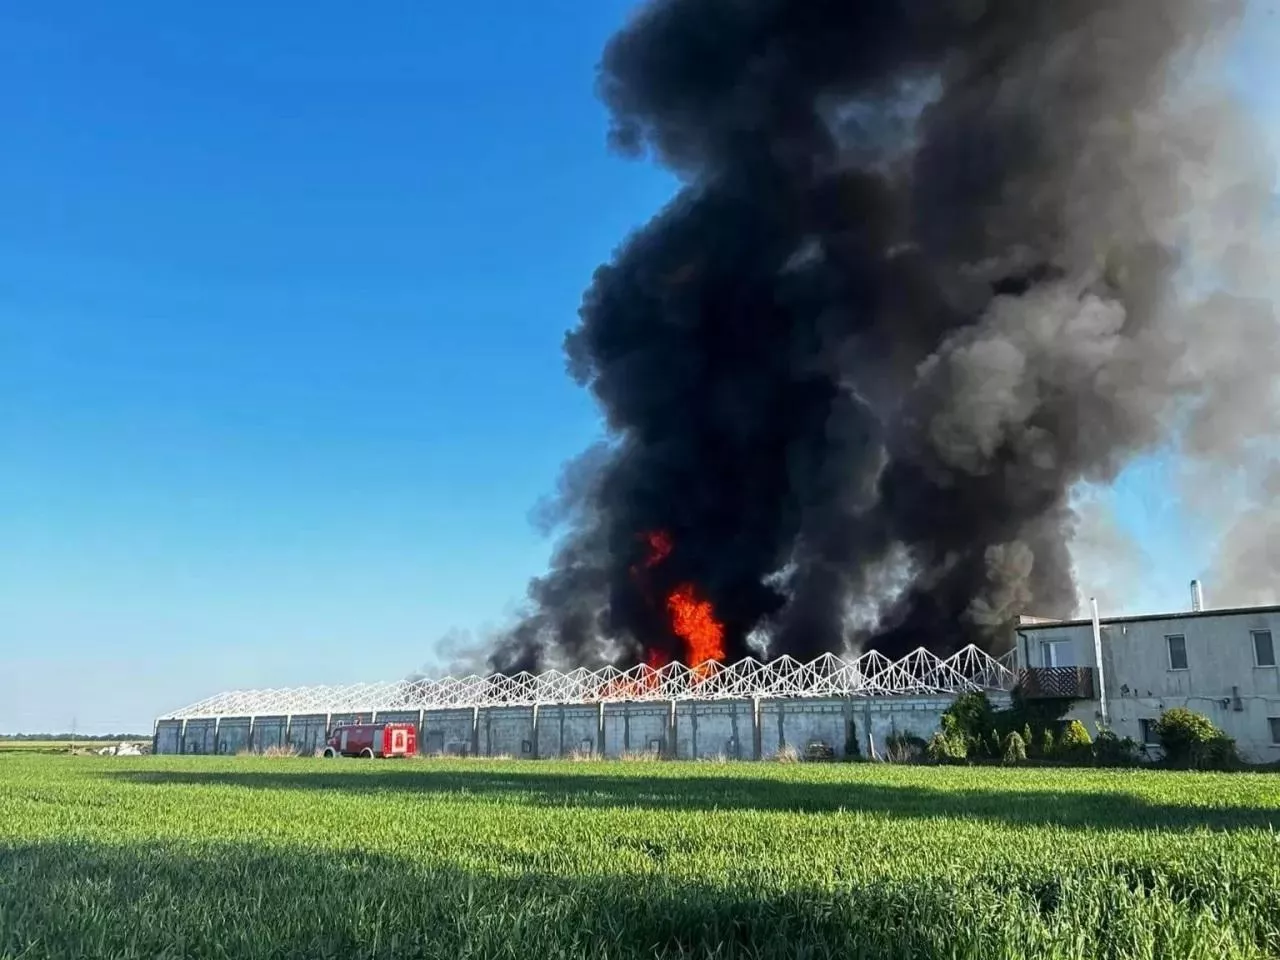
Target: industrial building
(745, 710)
(1221, 663)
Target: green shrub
(1190, 739)
(1110, 750)
(972, 713)
(972, 720)
(1219, 753)
(985, 729)
(1076, 736)
(1076, 746)
(1047, 748)
(946, 747)
(1015, 749)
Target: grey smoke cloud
(927, 274)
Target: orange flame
(694, 622)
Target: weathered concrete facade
(685, 729)
(1220, 663)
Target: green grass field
(246, 857)
(37, 746)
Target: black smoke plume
(919, 283)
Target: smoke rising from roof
(925, 275)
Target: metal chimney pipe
(1097, 659)
(1197, 597)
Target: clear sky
(282, 291)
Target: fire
(694, 622)
(693, 619)
(645, 683)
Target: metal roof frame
(919, 673)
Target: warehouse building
(746, 710)
(1220, 663)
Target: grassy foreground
(246, 857)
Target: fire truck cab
(372, 740)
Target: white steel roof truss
(920, 672)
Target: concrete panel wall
(701, 729)
(306, 732)
(200, 737)
(233, 735)
(168, 737)
(715, 729)
(269, 732)
(568, 728)
(449, 732)
(907, 716)
(508, 731)
(797, 723)
(398, 716)
(635, 728)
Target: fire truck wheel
(330, 753)
(367, 753)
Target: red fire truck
(372, 740)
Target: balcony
(1057, 683)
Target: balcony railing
(1043, 683)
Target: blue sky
(281, 301)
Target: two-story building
(1221, 663)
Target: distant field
(291, 858)
(63, 746)
(39, 746)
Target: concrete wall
(636, 728)
(168, 737)
(306, 732)
(233, 734)
(200, 737)
(398, 716)
(565, 729)
(1220, 681)
(905, 716)
(719, 728)
(450, 732)
(796, 724)
(268, 733)
(736, 729)
(508, 731)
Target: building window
(1055, 653)
(1147, 730)
(1177, 652)
(1275, 730)
(1264, 650)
